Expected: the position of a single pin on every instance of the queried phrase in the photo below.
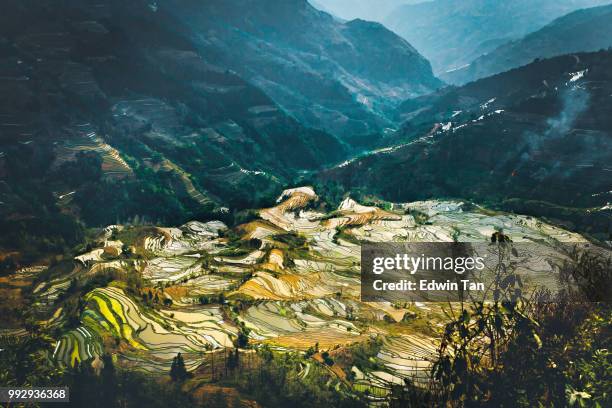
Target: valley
(190, 191)
(517, 141)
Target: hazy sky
(373, 10)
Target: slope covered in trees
(534, 140)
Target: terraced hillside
(288, 280)
(534, 140)
(111, 110)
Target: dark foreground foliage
(531, 351)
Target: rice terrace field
(285, 282)
(208, 204)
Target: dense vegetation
(529, 351)
(545, 156)
(95, 143)
(273, 382)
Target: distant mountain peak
(582, 30)
(318, 69)
(452, 33)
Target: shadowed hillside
(110, 111)
(341, 77)
(535, 140)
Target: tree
(310, 352)
(108, 381)
(217, 400)
(541, 350)
(178, 372)
(233, 360)
(327, 359)
(242, 340)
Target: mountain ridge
(344, 77)
(533, 140)
(452, 33)
(86, 137)
(580, 31)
